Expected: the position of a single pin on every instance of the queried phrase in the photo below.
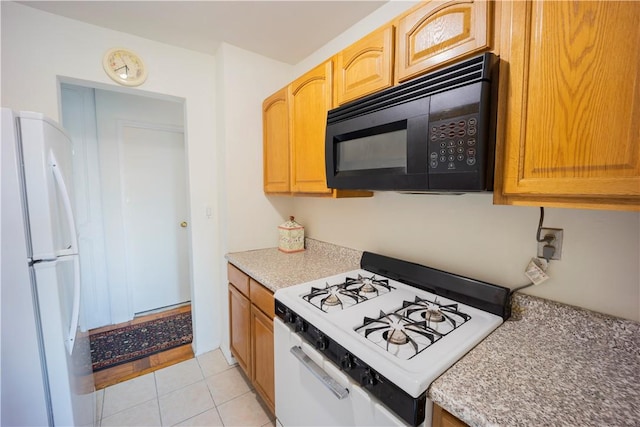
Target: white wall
(249, 218)
(38, 48)
(600, 266)
(247, 79)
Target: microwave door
(383, 150)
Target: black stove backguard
(484, 296)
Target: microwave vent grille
(461, 74)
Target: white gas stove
(381, 337)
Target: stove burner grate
(347, 293)
(432, 311)
(332, 296)
(412, 328)
(368, 285)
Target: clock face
(124, 67)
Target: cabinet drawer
(262, 298)
(238, 279)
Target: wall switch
(552, 244)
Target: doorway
(132, 200)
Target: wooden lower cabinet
(442, 418)
(262, 352)
(240, 321)
(251, 312)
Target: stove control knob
(288, 317)
(322, 342)
(346, 361)
(299, 325)
(368, 378)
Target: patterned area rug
(133, 342)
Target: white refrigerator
(46, 376)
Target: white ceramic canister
(291, 236)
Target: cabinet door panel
(310, 97)
(574, 99)
(240, 329)
(262, 353)
(275, 122)
(439, 32)
(366, 66)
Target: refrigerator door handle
(75, 312)
(66, 200)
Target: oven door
(311, 391)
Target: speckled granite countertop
(549, 365)
(275, 269)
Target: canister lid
(291, 224)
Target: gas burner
(434, 312)
(398, 334)
(332, 300)
(368, 285)
(347, 293)
(433, 315)
(413, 327)
(333, 297)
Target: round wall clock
(124, 67)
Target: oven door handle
(335, 388)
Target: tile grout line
(215, 405)
(203, 378)
(155, 382)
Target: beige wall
(600, 266)
(470, 236)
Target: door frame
(126, 312)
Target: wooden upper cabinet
(275, 122)
(572, 104)
(366, 66)
(310, 97)
(439, 32)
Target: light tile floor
(204, 391)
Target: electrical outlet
(556, 242)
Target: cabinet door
(573, 103)
(366, 66)
(439, 32)
(275, 122)
(309, 101)
(262, 356)
(240, 328)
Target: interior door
(155, 215)
(130, 128)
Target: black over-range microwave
(435, 133)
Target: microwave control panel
(453, 144)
